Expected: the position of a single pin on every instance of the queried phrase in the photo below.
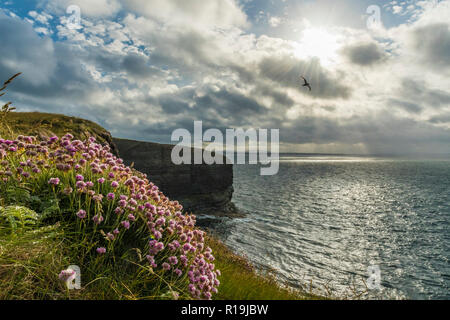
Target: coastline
(46, 246)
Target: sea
(354, 227)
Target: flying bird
(306, 84)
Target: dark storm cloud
(105, 61)
(381, 133)
(365, 54)
(138, 66)
(433, 41)
(162, 131)
(405, 105)
(440, 119)
(231, 104)
(416, 90)
(49, 69)
(173, 105)
(280, 98)
(220, 106)
(286, 71)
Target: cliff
(202, 189)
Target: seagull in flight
(306, 84)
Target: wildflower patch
(110, 207)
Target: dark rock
(201, 188)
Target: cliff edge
(202, 189)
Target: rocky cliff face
(202, 189)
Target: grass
(31, 259)
(49, 124)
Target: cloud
(382, 133)
(143, 73)
(192, 13)
(440, 119)
(286, 71)
(433, 42)
(418, 91)
(23, 50)
(42, 18)
(139, 66)
(406, 105)
(365, 54)
(275, 21)
(89, 8)
(397, 9)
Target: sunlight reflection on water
(328, 219)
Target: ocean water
(322, 221)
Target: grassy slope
(30, 262)
(48, 124)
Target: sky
(379, 70)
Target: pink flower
(79, 177)
(54, 181)
(114, 184)
(166, 266)
(97, 219)
(111, 196)
(157, 235)
(125, 224)
(150, 259)
(178, 272)
(64, 275)
(81, 214)
(101, 250)
(160, 221)
(173, 260)
(122, 203)
(101, 180)
(80, 184)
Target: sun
(319, 43)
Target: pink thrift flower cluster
(109, 195)
(64, 275)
